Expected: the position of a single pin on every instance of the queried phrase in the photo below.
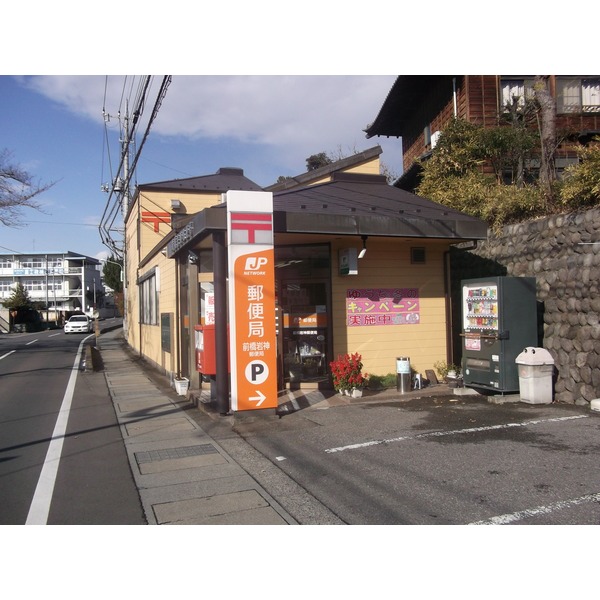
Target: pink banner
(377, 306)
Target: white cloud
(294, 115)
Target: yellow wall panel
(387, 264)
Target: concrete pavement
(183, 475)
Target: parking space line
(539, 510)
(452, 432)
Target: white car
(79, 324)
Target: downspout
(449, 320)
(221, 358)
(177, 313)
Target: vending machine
(499, 321)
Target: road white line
(55, 334)
(32, 342)
(452, 432)
(7, 354)
(40, 505)
(540, 510)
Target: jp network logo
(255, 263)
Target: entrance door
(304, 309)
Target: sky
(66, 129)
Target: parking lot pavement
(438, 458)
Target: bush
(382, 382)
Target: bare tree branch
(17, 191)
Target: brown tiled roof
(225, 179)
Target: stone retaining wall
(559, 252)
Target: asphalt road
(444, 460)
(89, 480)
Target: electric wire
(111, 210)
(160, 96)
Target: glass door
(305, 325)
(303, 298)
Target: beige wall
(387, 265)
(369, 167)
(141, 238)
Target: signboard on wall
(209, 308)
(252, 331)
(377, 306)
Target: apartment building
(62, 282)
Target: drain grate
(170, 453)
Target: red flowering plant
(347, 372)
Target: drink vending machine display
(499, 321)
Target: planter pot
(181, 386)
(357, 393)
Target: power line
(120, 186)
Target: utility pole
(125, 152)
(125, 208)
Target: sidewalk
(183, 476)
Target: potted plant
(347, 374)
(449, 373)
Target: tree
(580, 185)
(17, 191)
(456, 176)
(548, 143)
(19, 300)
(316, 161)
(113, 273)
(23, 311)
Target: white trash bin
(535, 367)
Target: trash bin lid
(534, 356)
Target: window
(55, 284)
(55, 263)
(6, 286)
(574, 95)
(5, 263)
(33, 263)
(34, 285)
(148, 288)
(515, 91)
